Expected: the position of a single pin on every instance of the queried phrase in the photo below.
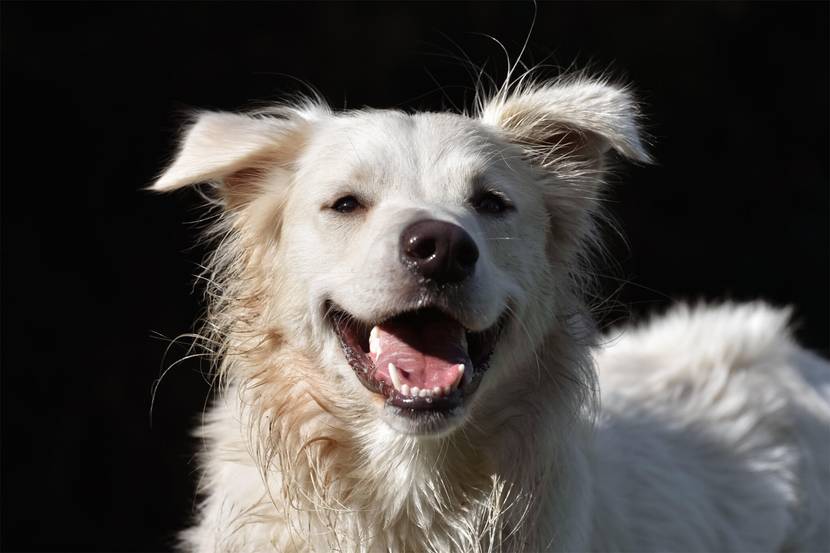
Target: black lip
(481, 347)
(428, 422)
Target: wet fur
(714, 428)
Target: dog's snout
(439, 251)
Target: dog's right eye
(346, 204)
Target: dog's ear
(234, 151)
(566, 128)
(568, 125)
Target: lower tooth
(436, 391)
(423, 393)
(447, 390)
(405, 390)
(415, 390)
(393, 374)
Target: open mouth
(422, 362)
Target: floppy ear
(566, 126)
(233, 150)
(566, 129)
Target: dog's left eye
(491, 203)
(346, 204)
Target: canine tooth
(415, 391)
(423, 393)
(436, 392)
(404, 390)
(374, 341)
(393, 374)
(460, 368)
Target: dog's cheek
(523, 266)
(332, 362)
(572, 213)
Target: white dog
(407, 363)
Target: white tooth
(423, 393)
(460, 377)
(414, 390)
(436, 392)
(393, 374)
(405, 390)
(447, 390)
(374, 342)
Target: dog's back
(714, 434)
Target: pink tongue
(426, 350)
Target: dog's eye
(346, 204)
(491, 203)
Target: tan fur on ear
(561, 120)
(231, 148)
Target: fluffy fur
(712, 432)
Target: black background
(93, 268)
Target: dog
(406, 361)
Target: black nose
(439, 251)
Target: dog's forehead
(404, 152)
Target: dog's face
(414, 242)
(416, 258)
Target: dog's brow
(479, 182)
(362, 172)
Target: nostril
(467, 253)
(421, 247)
(438, 251)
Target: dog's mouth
(421, 361)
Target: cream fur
(714, 427)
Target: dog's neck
(360, 489)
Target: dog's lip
(356, 354)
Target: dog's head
(419, 260)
